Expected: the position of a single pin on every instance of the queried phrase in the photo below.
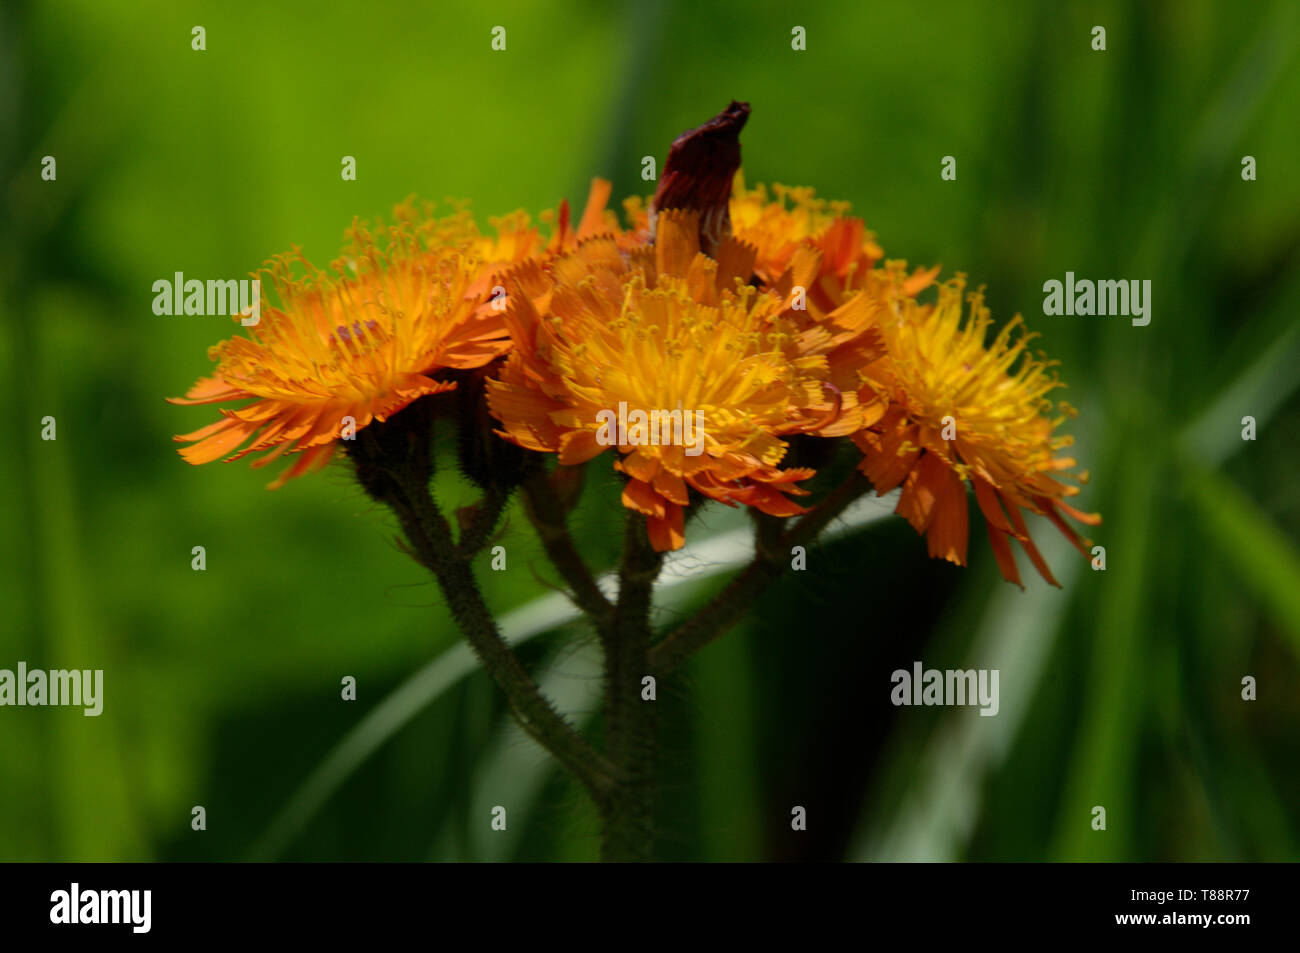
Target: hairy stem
(548, 517)
(630, 723)
(482, 522)
(431, 539)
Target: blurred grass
(222, 686)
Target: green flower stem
(771, 555)
(431, 540)
(547, 514)
(628, 813)
(482, 522)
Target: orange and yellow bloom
(359, 342)
(661, 326)
(956, 410)
(792, 323)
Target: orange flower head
(795, 221)
(956, 410)
(359, 342)
(826, 266)
(606, 331)
(809, 246)
(778, 225)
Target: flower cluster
(770, 315)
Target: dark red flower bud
(697, 175)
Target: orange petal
(210, 390)
(1001, 544)
(987, 498)
(667, 533)
(642, 498)
(579, 446)
(677, 241)
(640, 465)
(921, 490)
(593, 216)
(217, 445)
(308, 461)
(950, 523)
(1018, 521)
(671, 487)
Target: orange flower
(358, 343)
(803, 242)
(800, 241)
(659, 328)
(958, 411)
(778, 227)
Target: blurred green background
(222, 687)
